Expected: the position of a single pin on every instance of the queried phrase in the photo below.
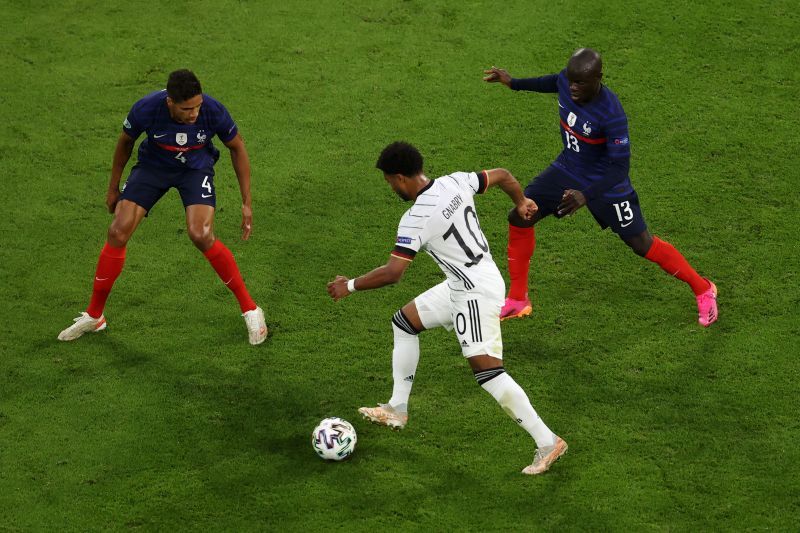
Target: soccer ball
(334, 439)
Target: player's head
(584, 72)
(401, 164)
(184, 96)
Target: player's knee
(402, 324)
(119, 234)
(201, 235)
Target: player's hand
(571, 201)
(527, 209)
(112, 197)
(495, 74)
(338, 288)
(247, 221)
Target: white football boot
(256, 326)
(545, 457)
(83, 324)
(385, 415)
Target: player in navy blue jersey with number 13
(177, 152)
(591, 170)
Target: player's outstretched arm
(542, 84)
(501, 177)
(241, 165)
(390, 273)
(122, 154)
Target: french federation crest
(587, 129)
(571, 119)
(181, 138)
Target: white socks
(515, 402)
(405, 358)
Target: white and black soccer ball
(334, 439)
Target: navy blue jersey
(595, 137)
(172, 145)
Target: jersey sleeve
(411, 235)
(542, 84)
(225, 128)
(472, 182)
(617, 140)
(134, 124)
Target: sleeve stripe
(483, 181)
(401, 252)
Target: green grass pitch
(171, 421)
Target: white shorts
(475, 316)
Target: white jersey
(443, 222)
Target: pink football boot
(707, 305)
(515, 309)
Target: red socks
(674, 264)
(223, 262)
(521, 242)
(109, 265)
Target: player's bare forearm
(388, 274)
(122, 154)
(501, 177)
(241, 166)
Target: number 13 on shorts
(624, 212)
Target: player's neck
(422, 182)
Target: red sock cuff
(517, 232)
(113, 251)
(216, 249)
(655, 249)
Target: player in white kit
(443, 222)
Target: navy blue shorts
(623, 215)
(145, 186)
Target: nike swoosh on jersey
(206, 195)
(159, 136)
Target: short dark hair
(182, 85)
(400, 158)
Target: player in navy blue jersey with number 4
(177, 151)
(591, 170)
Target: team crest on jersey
(201, 137)
(587, 129)
(181, 138)
(571, 119)
(127, 123)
